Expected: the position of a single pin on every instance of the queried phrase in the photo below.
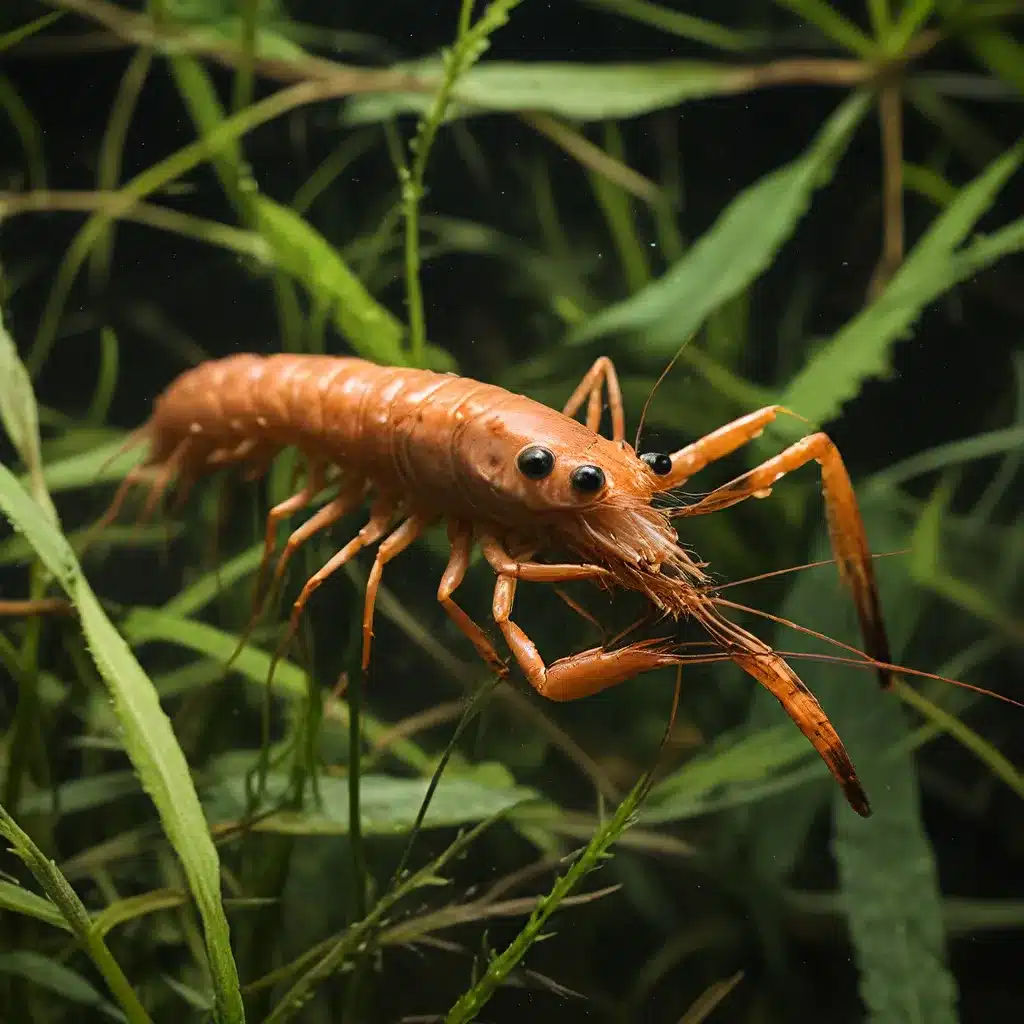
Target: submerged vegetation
(809, 203)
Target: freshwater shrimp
(516, 478)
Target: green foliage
(740, 246)
(532, 214)
(66, 901)
(147, 736)
(576, 91)
(388, 805)
(861, 350)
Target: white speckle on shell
(261, 421)
(195, 428)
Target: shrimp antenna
(719, 587)
(664, 373)
(862, 660)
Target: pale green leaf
(388, 805)
(580, 92)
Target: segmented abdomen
(398, 426)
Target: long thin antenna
(657, 384)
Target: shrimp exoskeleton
(516, 478)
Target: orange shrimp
(515, 477)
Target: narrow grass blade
(832, 24)
(27, 129)
(20, 419)
(66, 901)
(29, 29)
(734, 252)
(686, 26)
(351, 941)
(470, 1004)
(145, 625)
(58, 978)
(16, 900)
(148, 739)
(861, 350)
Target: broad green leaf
(58, 978)
(580, 92)
(388, 805)
(147, 736)
(734, 252)
(861, 350)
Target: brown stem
(890, 113)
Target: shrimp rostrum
(518, 479)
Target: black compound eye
(587, 479)
(535, 462)
(659, 463)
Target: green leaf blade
(388, 805)
(734, 252)
(861, 350)
(580, 92)
(148, 739)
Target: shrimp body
(516, 478)
(446, 445)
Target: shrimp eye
(587, 479)
(660, 464)
(535, 462)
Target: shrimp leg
(334, 510)
(460, 536)
(392, 546)
(380, 519)
(579, 675)
(846, 527)
(602, 372)
(281, 511)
